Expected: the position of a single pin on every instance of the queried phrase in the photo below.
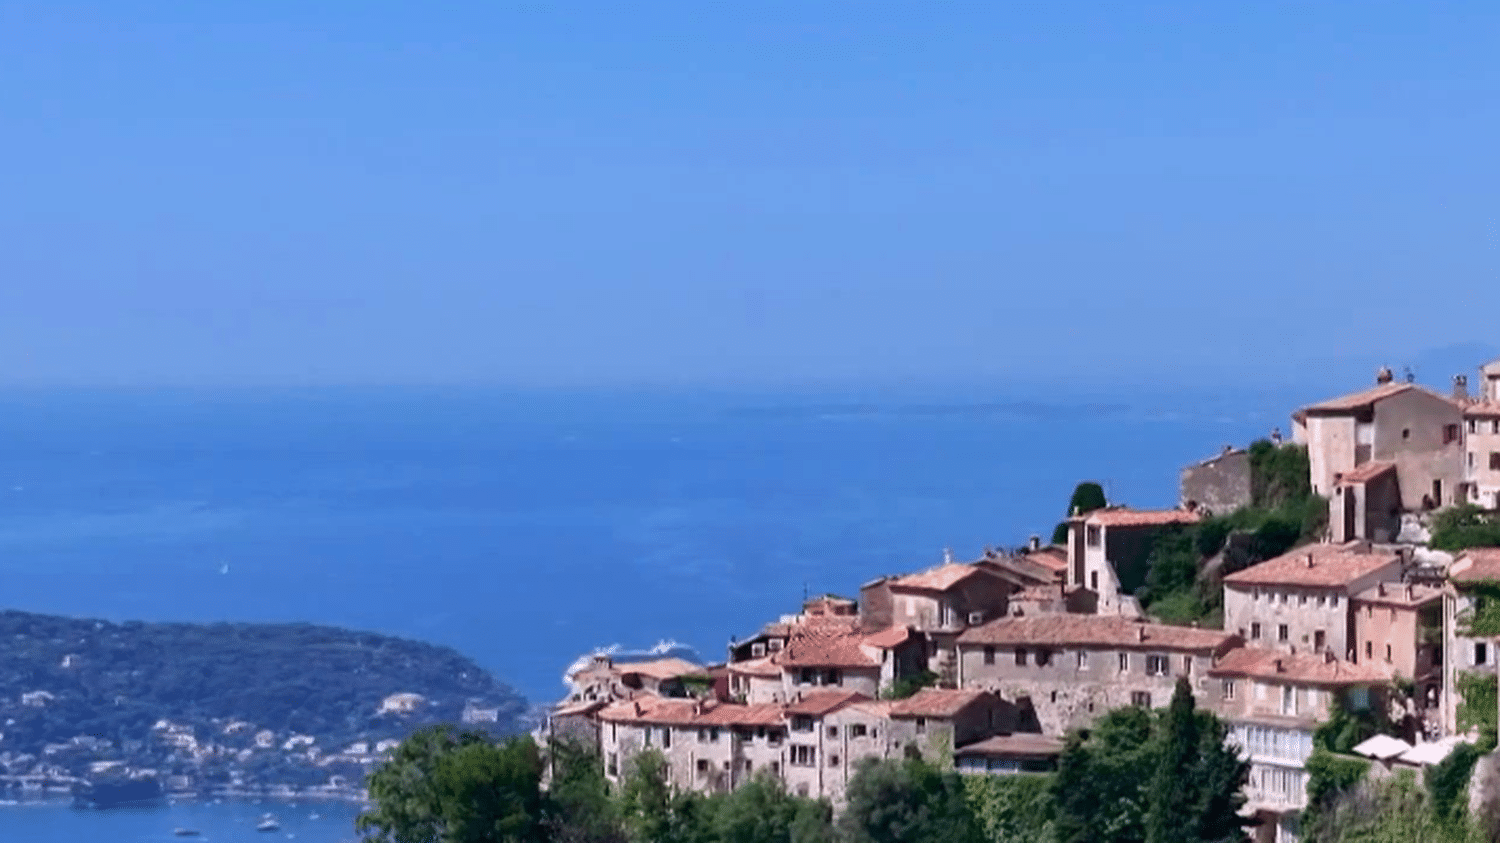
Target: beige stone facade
(1107, 553)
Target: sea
(526, 528)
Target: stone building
(1300, 601)
(1219, 484)
(1108, 550)
(1400, 624)
(1482, 450)
(940, 603)
(1272, 702)
(1418, 432)
(1069, 669)
(1465, 654)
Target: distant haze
(681, 194)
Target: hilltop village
(985, 664)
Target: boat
(185, 832)
(268, 822)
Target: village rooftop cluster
(1016, 648)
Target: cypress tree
(1173, 794)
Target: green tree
(1170, 815)
(1087, 497)
(580, 809)
(646, 798)
(907, 801)
(1011, 809)
(442, 786)
(1464, 526)
(761, 811)
(1098, 792)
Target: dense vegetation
(114, 681)
(1087, 497)
(1187, 564)
(1139, 776)
(1466, 525)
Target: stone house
(1465, 654)
(1400, 624)
(1070, 669)
(940, 603)
(1482, 449)
(816, 762)
(1219, 484)
(1272, 702)
(756, 681)
(1108, 550)
(709, 746)
(1418, 431)
(1300, 601)
(938, 721)
(828, 653)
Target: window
(1369, 650)
(1054, 696)
(833, 760)
(1282, 633)
(702, 765)
(1157, 665)
(1187, 665)
(1020, 657)
(774, 644)
(1450, 434)
(1140, 698)
(614, 734)
(803, 756)
(833, 677)
(1481, 652)
(1322, 600)
(1318, 639)
(648, 736)
(1333, 600)
(1228, 689)
(1124, 662)
(1093, 532)
(1283, 597)
(757, 650)
(808, 676)
(921, 725)
(1472, 425)
(1094, 581)
(612, 766)
(989, 655)
(1495, 460)
(833, 732)
(1495, 426)
(1387, 653)
(1255, 630)
(801, 723)
(1043, 658)
(1083, 659)
(666, 738)
(1405, 433)
(1288, 700)
(702, 736)
(857, 730)
(775, 768)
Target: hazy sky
(748, 192)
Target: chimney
(1384, 376)
(1275, 436)
(1327, 656)
(1309, 560)
(1141, 631)
(1461, 387)
(1380, 589)
(1279, 668)
(1034, 543)
(1228, 449)
(1411, 593)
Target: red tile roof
(1367, 472)
(663, 711)
(1055, 558)
(762, 666)
(732, 714)
(1126, 517)
(941, 578)
(1482, 409)
(937, 703)
(1359, 400)
(819, 703)
(1065, 630)
(1400, 595)
(1332, 566)
(1018, 744)
(1298, 668)
(825, 642)
(1477, 564)
(889, 637)
(668, 668)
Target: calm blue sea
(525, 529)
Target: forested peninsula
(224, 708)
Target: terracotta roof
(1018, 744)
(889, 637)
(874, 708)
(941, 578)
(1332, 566)
(1055, 558)
(1020, 569)
(1358, 400)
(1039, 593)
(1477, 564)
(568, 709)
(825, 642)
(938, 703)
(732, 714)
(669, 668)
(1125, 517)
(1367, 472)
(819, 703)
(665, 711)
(1298, 668)
(1400, 595)
(1482, 409)
(762, 666)
(1067, 630)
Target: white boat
(268, 823)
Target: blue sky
(742, 193)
